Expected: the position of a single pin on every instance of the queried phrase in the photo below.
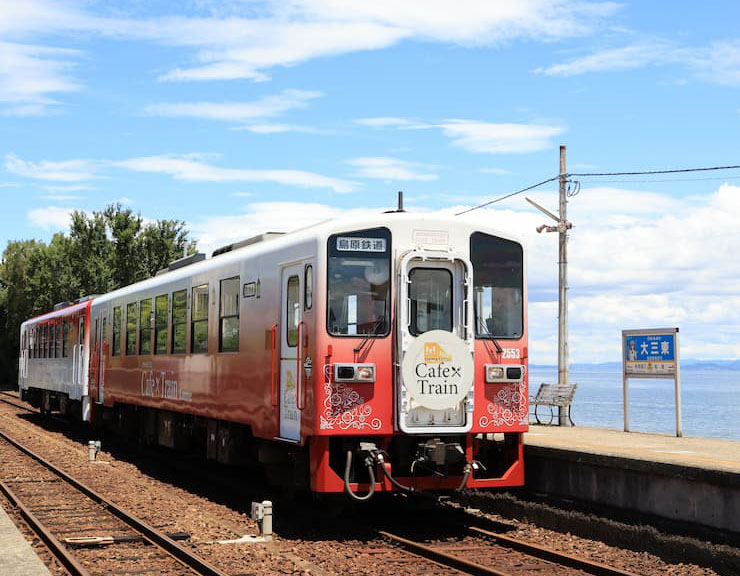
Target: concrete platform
(16, 555)
(695, 480)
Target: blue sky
(240, 117)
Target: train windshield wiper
(489, 336)
(373, 332)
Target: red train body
(382, 354)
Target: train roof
(318, 232)
(60, 313)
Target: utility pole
(562, 229)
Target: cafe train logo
(435, 354)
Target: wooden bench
(553, 395)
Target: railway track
(86, 533)
(484, 553)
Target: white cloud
(187, 168)
(384, 122)
(718, 63)
(29, 74)
(266, 107)
(477, 136)
(51, 218)
(501, 138)
(279, 129)
(64, 171)
(622, 58)
(247, 41)
(391, 169)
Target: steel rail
(552, 555)
(148, 532)
(55, 546)
(442, 557)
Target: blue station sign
(651, 354)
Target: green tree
(102, 252)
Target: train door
(23, 361)
(103, 350)
(436, 344)
(291, 373)
(78, 359)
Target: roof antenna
(400, 201)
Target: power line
(665, 180)
(594, 174)
(645, 172)
(508, 195)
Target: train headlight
(494, 373)
(346, 372)
(365, 373)
(504, 372)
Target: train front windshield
(359, 283)
(498, 279)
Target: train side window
(179, 320)
(228, 333)
(199, 320)
(49, 341)
(308, 287)
(145, 326)
(116, 331)
(131, 327)
(65, 339)
(293, 313)
(103, 335)
(57, 340)
(161, 308)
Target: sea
(710, 398)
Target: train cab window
(498, 286)
(131, 328)
(179, 320)
(145, 326)
(228, 331)
(359, 283)
(65, 339)
(161, 308)
(199, 320)
(116, 331)
(430, 292)
(308, 287)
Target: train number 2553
(512, 353)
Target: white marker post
(651, 353)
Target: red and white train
(368, 355)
